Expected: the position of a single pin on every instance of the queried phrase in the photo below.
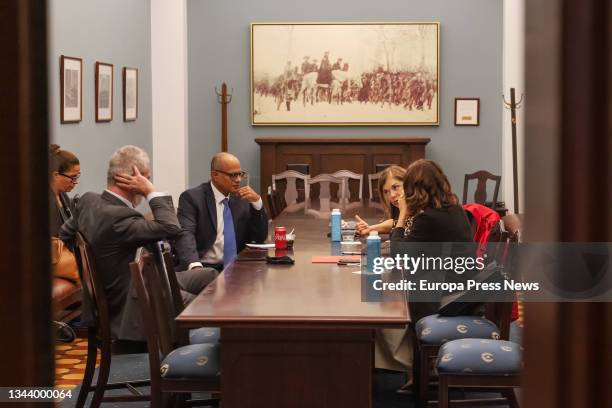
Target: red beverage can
(280, 238)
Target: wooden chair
(371, 179)
(480, 195)
(381, 166)
(291, 191)
(505, 380)
(99, 337)
(303, 168)
(186, 369)
(66, 299)
(324, 181)
(162, 253)
(279, 201)
(500, 373)
(271, 200)
(346, 176)
(497, 316)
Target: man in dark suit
(110, 223)
(206, 212)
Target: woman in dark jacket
(65, 172)
(430, 214)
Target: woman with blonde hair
(390, 188)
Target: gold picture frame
(379, 74)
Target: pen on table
(352, 253)
(356, 263)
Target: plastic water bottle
(373, 250)
(336, 249)
(336, 225)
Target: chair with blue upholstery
(174, 370)
(491, 365)
(433, 331)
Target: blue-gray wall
(470, 58)
(117, 32)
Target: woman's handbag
(63, 261)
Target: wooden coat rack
(513, 106)
(224, 99)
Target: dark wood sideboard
(329, 155)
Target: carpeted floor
(70, 363)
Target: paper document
(260, 246)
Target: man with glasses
(219, 217)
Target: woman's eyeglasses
(74, 179)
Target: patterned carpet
(70, 361)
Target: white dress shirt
(215, 254)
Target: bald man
(207, 211)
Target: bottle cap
(336, 210)
(373, 233)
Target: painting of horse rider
(368, 74)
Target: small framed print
(130, 94)
(104, 92)
(467, 111)
(71, 89)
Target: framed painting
(71, 89)
(104, 92)
(345, 74)
(130, 94)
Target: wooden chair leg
(103, 373)
(510, 395)
(157, 399)
(90, 367)
(423, 377)
(443, 392)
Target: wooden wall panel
(569, 175)
(25, 292)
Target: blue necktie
(229, 235)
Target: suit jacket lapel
(211, 205)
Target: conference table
(296, 335)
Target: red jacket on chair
(485, 220)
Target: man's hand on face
(137, 183)
(247, 193)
